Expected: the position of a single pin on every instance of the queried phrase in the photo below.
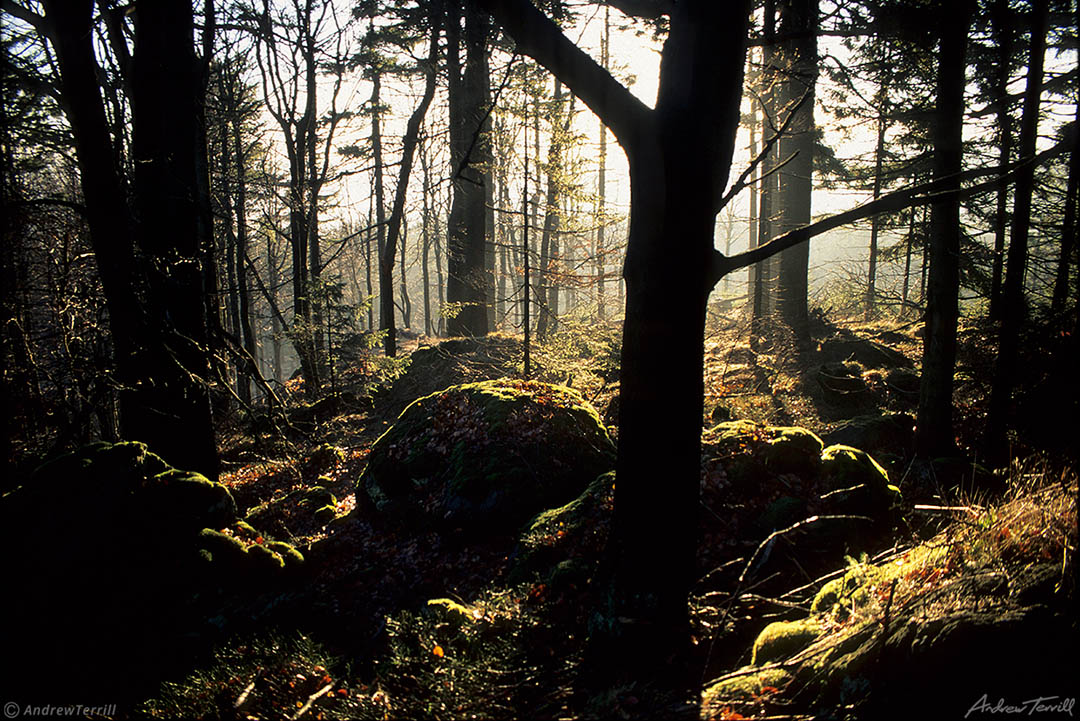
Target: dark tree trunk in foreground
(679, 156)
(934, 436)
(156, 315)
(165, 109)
(1013, 308)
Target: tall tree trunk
(548, 296)
(165, 95)
(107, 213)
(767, 103)
(934, 435)
(468, 280)
(406, 303)
(1069, 224)
(601, 181)
(800, 19)
(1003, 35)
(426, 226)
(386, 310)
(1013, 301)
(907, 263)
(275, 323)
(753, 274)
(397, 214)
(247, 334)
(875, 222)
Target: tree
(799, 62)
(679, 155)
(154, 296)
(293, 42)
(1013, 303)
(934, 435)
(397, 215)
(470, 159)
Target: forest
(554, 359)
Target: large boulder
(759, 479)
(891, 433)
(486, 455)
(103, 551)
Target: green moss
(449, 610)
(782, 639)
(577, 529)
(792, 450)
(326, 456)
(246, 529)
(853, 482)
(313, 496)
(292, 557)
(190, 499)
(482, 452)
(747, 686)
(262, 560)
(227, 553)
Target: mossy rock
(227, 553)
(312, 497)
(781, 640)
(325, 457)
(190, 500)
(234, 561)
(889, 432)
(790, 449)
(853, 482)
(574, 532)
(748, 684)
(293, 558)
(842, 594)
(486, 455)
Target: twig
(312, 699)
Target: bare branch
(540, 38)
(909, 197)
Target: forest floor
(358, 636)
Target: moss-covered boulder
(745, 684)
(486, 455)
(567, 541)
(890, 433)
(782, 639)
(853, 482)
(108, 554)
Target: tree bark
(1003, 35)
(165, 100)
(1013, 301)
(934, 435)
(397, 214)
(470, 154)
(798, 18)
